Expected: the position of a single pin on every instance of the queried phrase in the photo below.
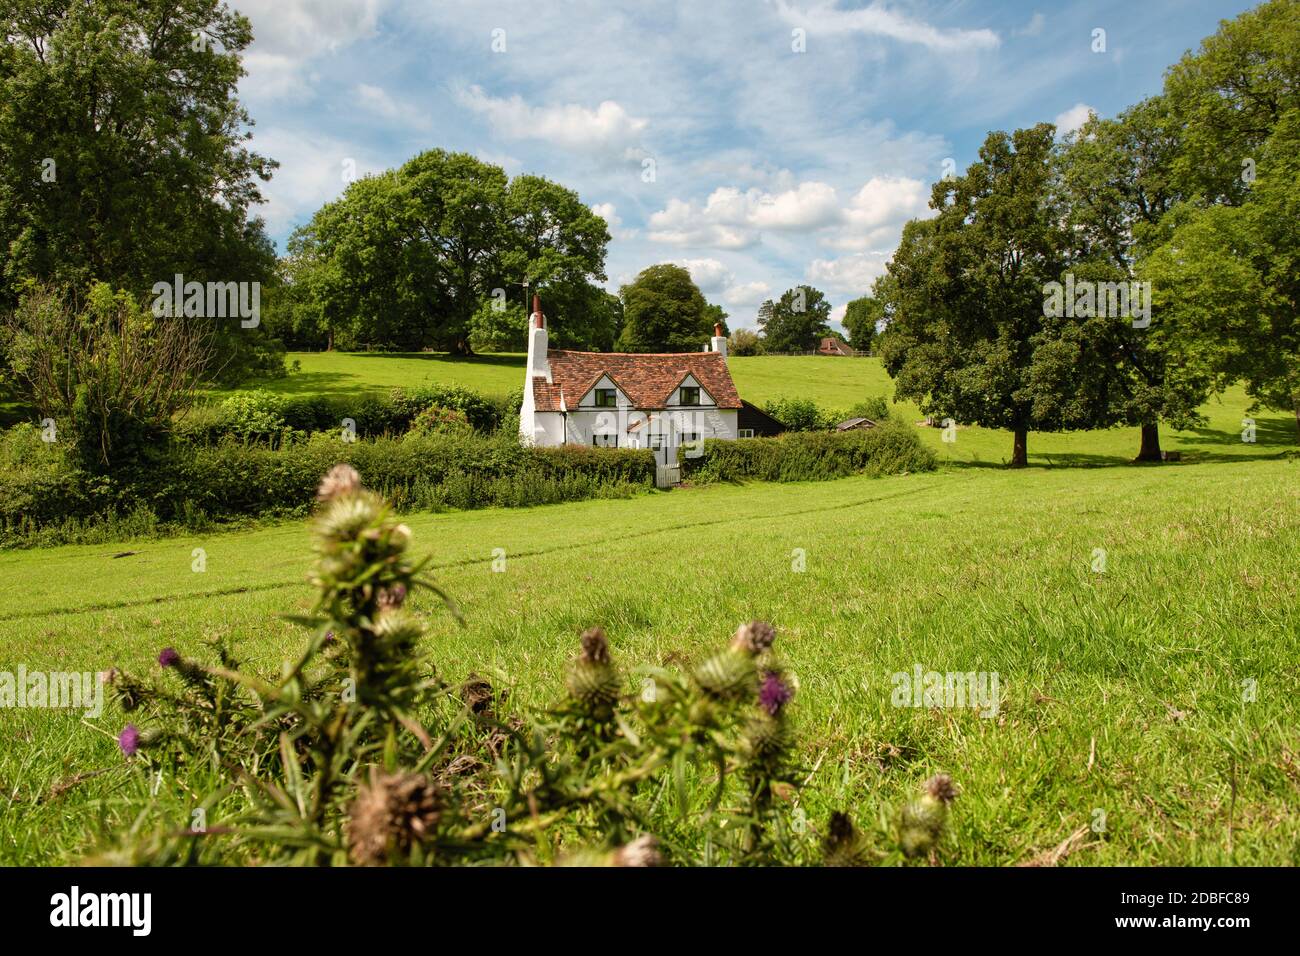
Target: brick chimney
(719, 340)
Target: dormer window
(606, 398)
(690, 395)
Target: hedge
(889, 449)
(193, 485)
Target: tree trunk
(329, 347)
(1297, 419)
(1020, 452)
(1150, 450)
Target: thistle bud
(923, 818)
(754, 638)
(592, 680)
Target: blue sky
(699, 129)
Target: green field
(1122, 691)
(833, 383)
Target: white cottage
(660, 401)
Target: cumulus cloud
(732, 219)
(849, 275)
(747, 293)
(288, 35)
(313, 169)
(715, 279)
(1073, 118)
(877, 20)
(608, 128)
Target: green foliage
(498, 327)
(664, 311)
(861, 317)
(365, 280)
(889, 449)
(108, 373)
(744, 342)
(801, 414)
(796, 322)
(968, 335)
(151, 174)
(876, 408)
(359, 752)
(192, 485)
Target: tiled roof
(648, 379)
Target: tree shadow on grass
(503, 360)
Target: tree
(744, 342)
(1117, 184)
(969, 336)
(1227, 272)
(664, 310)
(123, 150)
(405, 258)
(797, 321)
(861, 317)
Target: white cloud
(877, 212)
(709, 274)
(608, 212)
(608, 128)
(1073, 118)
(731, 219)
(850, 275)
(877, 20)
(289, 34)
(312, 172)
(747, 293)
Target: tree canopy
(664, 310)
(796, 322)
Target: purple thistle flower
(774, 693)
(168, 657)
(329, 637)
(129, 740)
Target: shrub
(110, 374)
(359, 751)
(890, 449)
(876, 408)
(801, 415)
(436, 420)
(253, 414)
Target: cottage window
(605, 441)
(606, 398)
(744, 433)
(690, 395)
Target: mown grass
(1122, 691)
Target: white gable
(690, 381)
(605, 382)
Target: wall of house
(585, 423)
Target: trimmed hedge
(193, 485)
(890, 449)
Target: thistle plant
(358, 751)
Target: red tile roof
(647, 379)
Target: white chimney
(719, 340)
(538, 366)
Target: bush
(891, 449)
(191, 484)
(436, 420)
(744, 342)
(801, 415)
(253, 414)
(876, 408)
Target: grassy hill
(1122, 691)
